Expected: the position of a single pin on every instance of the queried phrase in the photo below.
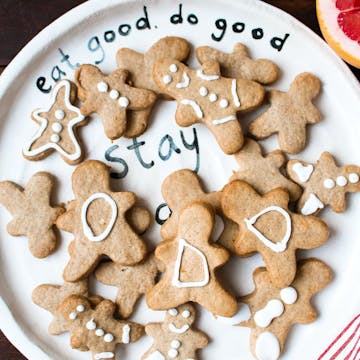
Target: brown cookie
(175, 338)
(238, 64)
(263, 173)
(289, 114)
(184, 186)
(274, 311)
(191, 260)
(204, 96)
(33, 214)
(131, 281)
(268, 227)
(58, 127)
(111, 97)
(96, 329)
(97, 219)
(324, 183)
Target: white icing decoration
(108, 338)
(44, 123)
(91, 325)
(167, 79)
(176, 277)
(175, 344)
(173, 353)
(80, 308)
(185, 83)
(303, 172)
(213, 97)
(57, 127)
(267, 346)
(203, 91)
(243, 314)
(276, 247)
(104, 355)
(176, 330)
(99, 332)
(341, 181)
(73, 316)
(173, 312)
(312, 204)
(126, 334)
(186, 314)
(201, 75)
(195, 106)
(55, 138)
(329, 183)
(124, 102)
(60, 114)
(114, 94)
(224, 120)
(288, 295)
(86, 228)
(354, 178)
(265, 316)
(103, 87)
(235, 94)
(224, 103)
(173, 68)
(157, 355)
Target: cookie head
(307, 85)
(181, 318)
(75, 307)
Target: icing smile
(177, 330)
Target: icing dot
(99, 332)
(72, 316)
(57, 127)
(59, 114)
(167, 79)
(288, 295)
(173, 312)
(213, 97)
(80, 308)
(186, 314)
(224, 103)
(173, 68)
(354, 178)
(341, 180)
(102, 87)
(124, 101)
(91, 325)
(114, 94)
(55, 138)
(267, 346)
(173, 353)
(329, 183)
(108, 338)
(203, 91)
(175, 344)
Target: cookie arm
(11, 196)
(263, 126)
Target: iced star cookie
(267, 226)
(184, 186)
(111, 97)
(238, 64)
(289, 114)
(324, 183)
(175, 338)
(204, 96)
(58, 124)
(190, 261)
(275, 310)
(97, 219)
(33, 214)
(96, 329)
(263, 172)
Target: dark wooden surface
(20, 20)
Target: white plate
(24, 323)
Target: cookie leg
(137, 122)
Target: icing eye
(80, 308)
(341, 181)
(91, 325)
(213, 97)
(224, 103)
(72, 316)
(108, 338)
(103, 87)
(59, 114)
(124, 102)
(186, 314)
(354, 178)
(173, 68)
(99, 332)
(114, 94)
(167, 79)
(203, 91)
(173, 312)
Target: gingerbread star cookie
(175, 338)
(190, 260)
(184, 186)
(96, 329)
(275, 310)
(131, 281)
(111, 97)
(263, 172)
(204, 96)
(33, 214)
(289, 114)
(58, 124)
(97, 219)
(324, 183)
(238, 64)
(268, 227)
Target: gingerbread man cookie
(204, 96)
(275, 310)
(324, 183)
(175, 338)
(263, 173)
(96, 329)
(131, 281)
(238, 64)
(289, 114)
(58, 124)
(267, 226)
(33, 214)
(190, 261)
(110, 97)
(97, 219)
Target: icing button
(341, 181)
(329, 183)
(173, 353)
(55, 138)
(114, 94)
(102, 87)
(108, 338)
(124, 102)
(213, 97)
(91, 325)
(99, 332)
(175, 344)
(60, 114)
(57, 127)
(224, 103)
(354, 178)
(203, 91)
